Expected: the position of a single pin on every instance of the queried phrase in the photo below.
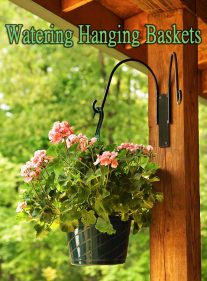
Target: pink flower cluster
(40, 158)
(134, 147)
(29, 172)
(107, 158)
(21, 206)
(130, 146)
(147, 149)
(83, 141)
(60, 130)
(32, 169)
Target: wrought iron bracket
(163, 102)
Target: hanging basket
(88, 246)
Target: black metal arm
(100, 110)
(162, 101)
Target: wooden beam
(201, 10)
(69, 5)
(175, 229)
(154, 6)
(123, 9)
(130, 8)
(137, 22)
(102, 19)
(202, 83)
(202, 48)
(198, 7)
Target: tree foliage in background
(42, 84)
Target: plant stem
(66, 148)
(107, 178)
(65, 160)
(35, 190)
(84, 164)
(46, 171)
(43, 177)
(43, 190)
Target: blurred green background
(43, 84)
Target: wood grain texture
(201, 9)
(202, 79)
(175, 231)
(102, 19)
(123, 9)
(69, 5)
(202, 48)
(137, 22)
(154, 6)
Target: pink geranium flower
(30, 172)
(40, 158)
(147, 149)
(60, 130)
(83, 141)
(130, 146)
(134, 147)
(92, 141)
(32, 169)
(21, 206)
(107, 158)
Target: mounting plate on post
(164, 124)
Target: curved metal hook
(100, 110)
(178, 91)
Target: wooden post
(175, 231)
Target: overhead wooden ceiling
(131, 14)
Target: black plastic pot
(88, 246)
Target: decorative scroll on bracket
(163, 104)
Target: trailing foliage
(84, 180)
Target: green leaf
(47, 215)
(135, 228)
(99, 207)
(52, 151)
(88, 217)
(144, 162)
(155, 179)
(90, 175)
(62, 180)
(125, 217)
(138, 221)
(52, 193)
(105, 226)
(39, 228)
(147, 204)
(70, 215)
(36, 212)
(137, 176)
(105, 193)
(98, 172)
(159, 196)
(50, 181)
(57, 166)
(73, 147)
(68, 226)
(104, 170)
